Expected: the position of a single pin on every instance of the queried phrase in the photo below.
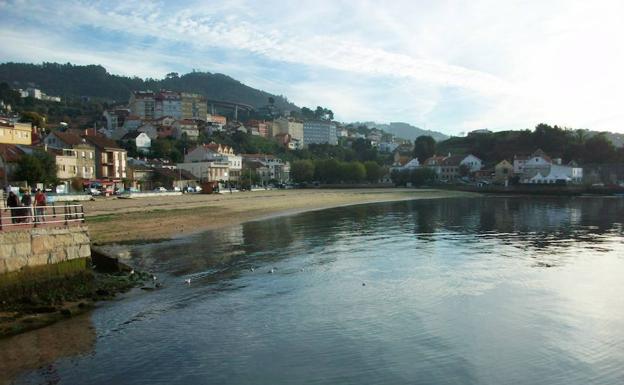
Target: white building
(317, 132)
(558, 174)
(141, 140)
(214, 152)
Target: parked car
(160, 189)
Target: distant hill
(75, 81)
(406, 130)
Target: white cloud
(513, 64)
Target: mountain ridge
(94, 81)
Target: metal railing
(36, 216)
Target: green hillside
(75, 81)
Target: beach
(113, 220)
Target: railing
(36, 216)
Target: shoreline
(155, 219)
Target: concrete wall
(42, 246)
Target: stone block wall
(42, 246)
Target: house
(186, 127)
(434, 163)
(557, 174)
(61, 139)
(412, 164)
(503, 171)
(214, 152)
(287, 141)
(15, 132)
(536, 162)
(451, 166)
(207, 171)
(148, 129)
(268, 167)
(115, 118)
(258, 127)
(141, 140)
(110, 159)
(170, 179)
(289, 126)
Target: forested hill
(582, 146)
(73, 81)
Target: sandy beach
(113, 220)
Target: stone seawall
(42, 246)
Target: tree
(422, 176)
(40, 167)
(351, 172)
(424, 148)
(373, 171)
(302, 171)
(32, 117)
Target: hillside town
(122, 151)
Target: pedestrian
(40, 203)
(14, 205)
(27, 204)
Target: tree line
(333, 171)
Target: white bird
(154, 278)
(187, 281)
(252, 269)
(272, 271)
(132, 272)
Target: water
(460, 291)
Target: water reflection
(471, 291)
(41, 348)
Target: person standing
(40, 203)
(27, 204)
(13, 204)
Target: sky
(450, 66)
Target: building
(557, 174)
(387, 147)
(62, 139)
(115, 118)
(268, 167)
(434, 163)
(451, 166)
(207, 171)
(194, 106)
(110, 159)
(143, 104)
(287, 141)
(15, 133)
(216, 119)
(9, 156)
(218, 154)
(534, 163)
(292, 127)
(318, 131)
(36, 93)
(167, 103)
(503, 171)
(258, 127)
(186, 127)
(141, 140)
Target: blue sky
(451, 66)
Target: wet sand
(114, 220)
